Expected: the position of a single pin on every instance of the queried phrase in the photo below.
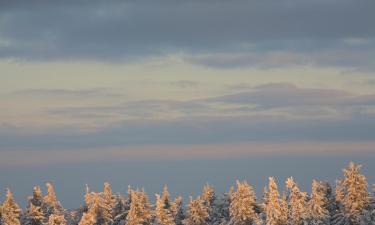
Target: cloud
(66, 93)
(18, 157)
(347, 58)
(267, 113)
(185, 83)
(118, 31)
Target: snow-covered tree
(242, 206)
(197, 212)
(208, 195)
(352, 193)
(119, 210)
(50, 203)
(34, 213)
(275, 215)
(87, 219)
(109, 201)
(221, 209)
(165, 197)
(140, 209)
(177, 210)
(297, 205)
(317, 211)
(163, 214)
(56, 219)
(10, 211)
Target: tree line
(348, 203)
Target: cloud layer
(274, 112)
(213, 33)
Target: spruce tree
(10, 211)
(50, 203)
(318, 214)
(108, 201)
(56, 219)
(140, 209)
(297, 205)
(163, 214)
(242, 206)
(177, 210)
(34, 213)
(273, 207)
(197, 212)
(352, 194)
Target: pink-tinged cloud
(182, 152)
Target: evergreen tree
(119, 210)
(34, 213)
(221, 209)
(177, 210)
(297, 205)
(242, 206)
(317, 211)
(197, 212)
(163, 214)
(50, 203)
(140, 209)
(165, 197)
(56, 219)
(352, 194)
(272, 205)
(87, 219)
(208, 197)
(10, 211)
(108, 201)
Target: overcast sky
(94, 82)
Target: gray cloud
(130, 30)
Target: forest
(348, 202)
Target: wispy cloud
(68, 93)
(270, 112)
(19, 157)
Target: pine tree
(297, 203)
(119, 210)
(208, 195)
(10, 211)
(50, 203)
(56, 219)
(221, 209)
(34, 213)
(197, 212)
(352, 194)
(273, 208)
(87, 219)
(165, 197)
(109, 202)
(242, 206)
(163, 214)
(177, 210)
(317, 211)
(140, 209)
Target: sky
(128, 89)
